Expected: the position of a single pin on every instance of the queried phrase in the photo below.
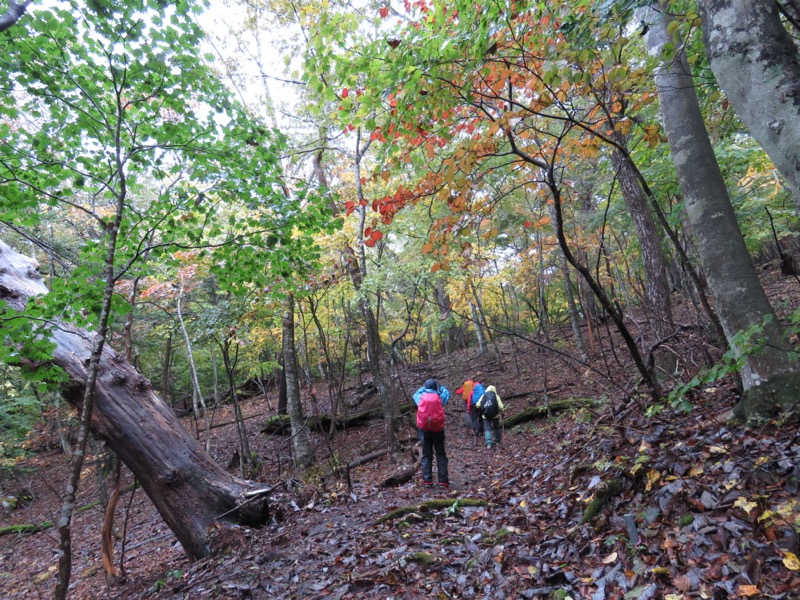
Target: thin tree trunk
(301, 444)
(197, 394)
(358, 273)
(241, 428)
(476, 323)
(657, 291)
(165, 376)
(574, 318)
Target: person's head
(431, 384)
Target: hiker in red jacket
(430, 400)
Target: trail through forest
(590, 502)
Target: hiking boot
(427, 484)
(488, 446)
(444, 484)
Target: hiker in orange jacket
(466, 392)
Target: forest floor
(690, 505)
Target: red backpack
(430, 412)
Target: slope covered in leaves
(688, 505)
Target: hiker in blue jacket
(443, 392)
(474, 411)
(432, 436)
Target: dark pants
(434, 441)
(477, 421)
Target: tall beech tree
(756, 62)
(770, 376)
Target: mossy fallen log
(25, 528)
(427, 506)
(545, 410)
(281, 424)
(604, 493)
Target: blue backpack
(477, 392)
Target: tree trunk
(756, 63)
(476, 322)
(13, 14)
(165, 373)
(283, 403)
(574, 318)
(189, 490)
(358, 273)
(197, 394)
(657, 291)
(445, 312)
(241, 429)
(769, 377)
(301, 445)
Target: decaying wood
(366, 458)
(602, 496)
(405, 475)
(25, 528)
(544, 410)
(233, 422)
(184, 483)
(428, 505)
(529, 393)
(281, 425)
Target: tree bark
(757, 65)
(476, 323)
(358, 273)
(13, 14)
(197, 393)
(301, 445)
(769, 378)
(657, 290)
(189, 490)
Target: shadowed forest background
(237, 238)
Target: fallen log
(366, 458)
(545, 410)
(281, 424)
(405, 475)
(232, 422)
(181, 479)
(25, 528)
(539, 392)
(437, 503)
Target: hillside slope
(687, 505)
